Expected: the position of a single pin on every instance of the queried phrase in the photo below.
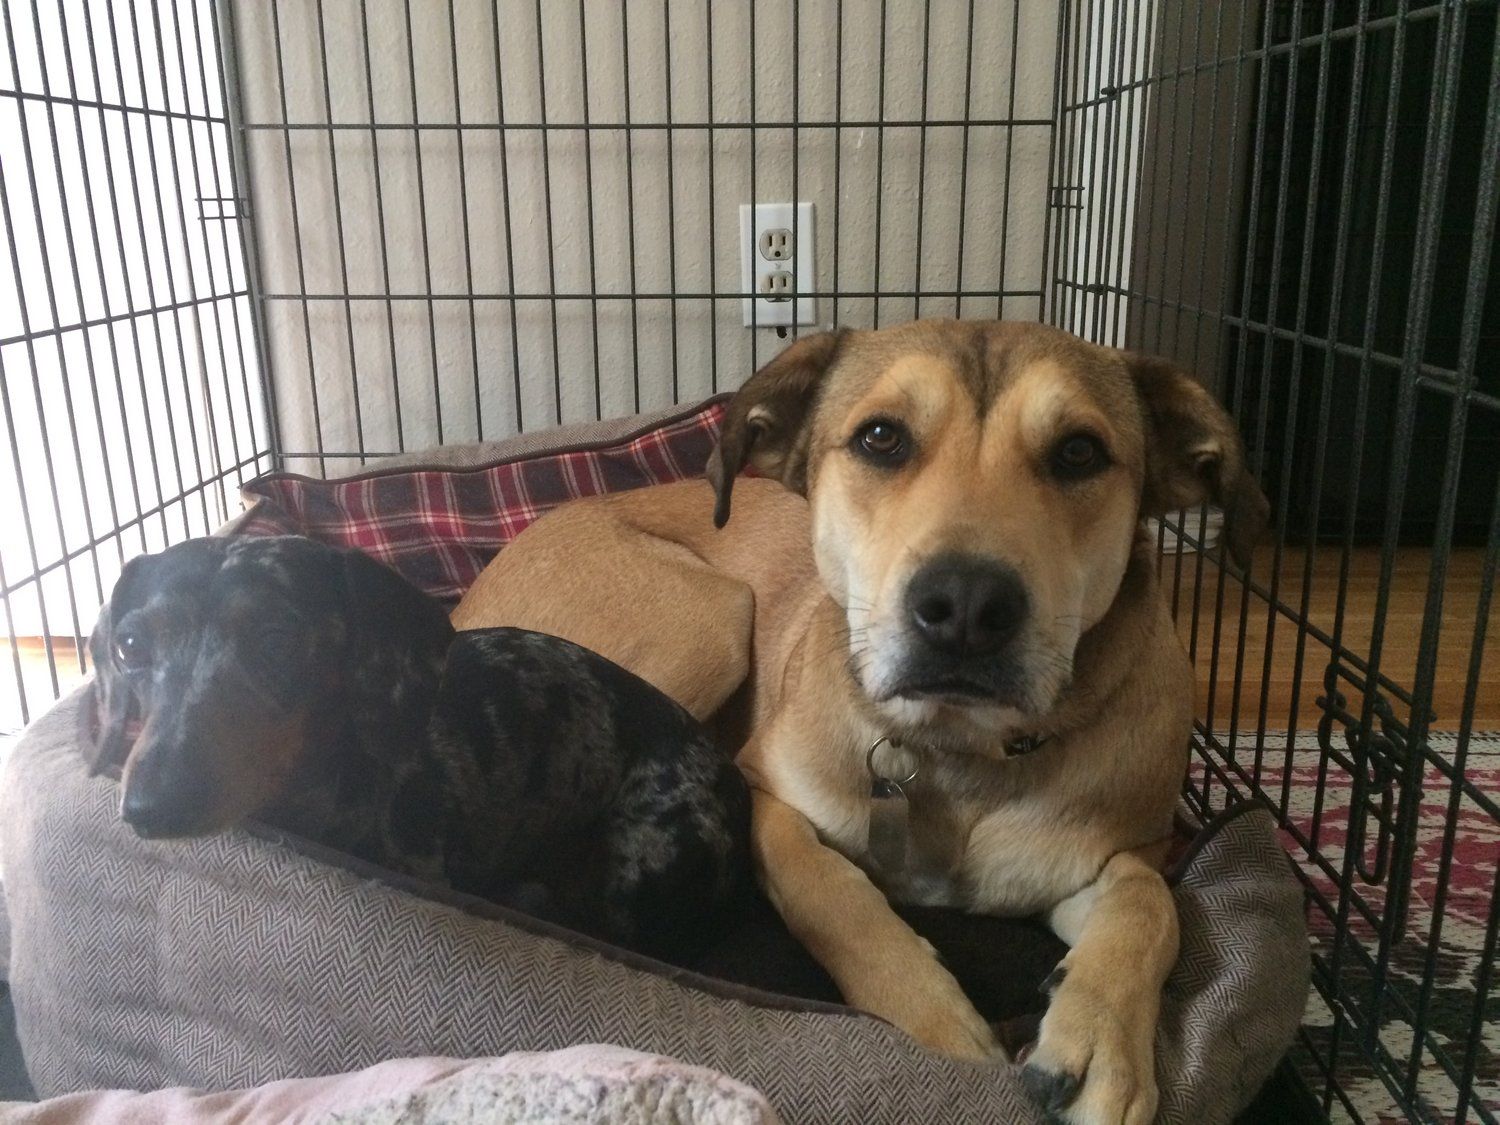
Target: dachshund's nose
(153, 811)
(967, 606)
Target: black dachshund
(317, 690)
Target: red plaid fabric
(440, 527)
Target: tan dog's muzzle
(965, 618)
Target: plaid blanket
(440, 527)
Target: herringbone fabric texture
(236, 960)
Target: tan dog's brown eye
(1078, 456)
(882, 441)
(133, 650)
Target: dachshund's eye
(133, 650)
(1078, 456)
(883, 442)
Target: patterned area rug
(1445, 931)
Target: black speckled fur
(511, 765)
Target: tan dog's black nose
(967, 606)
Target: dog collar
(1020, 747)
(1015, 748)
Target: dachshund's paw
(1093, 1060)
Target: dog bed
(249, 957)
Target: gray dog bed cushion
(239, 960)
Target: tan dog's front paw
(959, 1032)
(923, 1000)
(1094, 1059)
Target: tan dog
(966, 579)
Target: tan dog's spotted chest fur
(966, 568)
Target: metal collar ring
(870, 763)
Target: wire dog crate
(1314, 228)
(309, 233)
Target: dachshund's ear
(766, 424)
(380, 601)
(1193, 454)
(398, 640)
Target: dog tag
(890, 827)
(890, 815)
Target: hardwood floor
(1405, 612)
(36, 676)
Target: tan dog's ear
(1193, 454)
(766, 423)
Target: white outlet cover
(758, 217)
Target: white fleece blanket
(588, 1085)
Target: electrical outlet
(775, 245)
(776, 287)
(776, 260)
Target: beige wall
(998, 219)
